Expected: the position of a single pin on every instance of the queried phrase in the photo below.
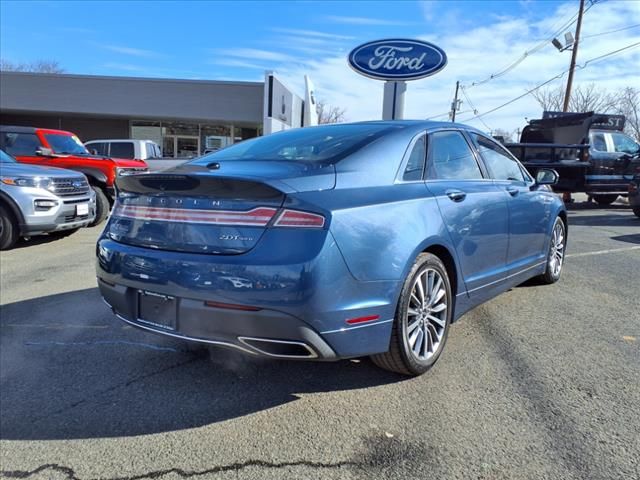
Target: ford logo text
(397, 59)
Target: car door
(529, 207)
(473, 208)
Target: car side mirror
(44, 152)
(546, 176)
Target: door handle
(456, 195)
(513, 191)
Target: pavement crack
(70, 473)
(125, 384)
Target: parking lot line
(602, 252)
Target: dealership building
(185, 117)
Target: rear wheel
(605, 199)
(422, 319)
(636, 210)
(8, 229)
(102, 206)
(555, 258)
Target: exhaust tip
(279, 348)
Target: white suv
(125, 148)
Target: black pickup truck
(588, 150)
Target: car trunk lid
(196, 212)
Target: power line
(612, 31)
(539, 46)
(584, 65)
(464, 93)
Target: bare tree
(628, 104)
(504, 134)
(329, 114)
(39, 66)
(584, 98)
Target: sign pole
(393, 100)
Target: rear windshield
(326, 144)
(66, 144)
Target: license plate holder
(157, 309)
(82, 209)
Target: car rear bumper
(291, 310)
(264, 332)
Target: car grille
(75, 218)
(66, 187)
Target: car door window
(598, 142)
(99, 147)
(500, 164)
(624, 144)
(415, 164)
(122, 150)
(451, 158)
(16, 144)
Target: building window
(214, 137)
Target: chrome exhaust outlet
(279, 348)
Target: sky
(240, 40)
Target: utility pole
(574, 54)
(454, 105)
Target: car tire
(9, 231)
(605, 199)
(422, 320)
(555, 257)
(102, 206)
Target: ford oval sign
(397, 59)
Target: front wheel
(102, 206)
(8, 229)
(555, 258)
(422, 319)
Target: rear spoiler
(195, 185)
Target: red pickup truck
(57, 148)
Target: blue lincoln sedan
(330, 242)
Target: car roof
(412, 125)
(17, 129)
(118, 140)
(20, 129)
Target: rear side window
(598, 142)
(451, 158)
(151, 150)
(99, 147)
(20, 143)
(122, 150)
(500, 164)
(415, 165)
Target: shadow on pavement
(69, 370)
(605, 219)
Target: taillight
(257, 217)
(296, 218)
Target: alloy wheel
(556, 256)
(426, 318)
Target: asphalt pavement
(542, 382)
